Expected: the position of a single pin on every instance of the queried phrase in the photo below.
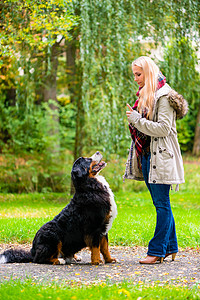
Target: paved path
(184, 271)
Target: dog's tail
(15, 256)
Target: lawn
(31, 290)
(22, 215)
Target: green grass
(23, 215)
(31, 290)
(136, 220)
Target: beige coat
(166, 164)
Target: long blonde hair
(147, 93)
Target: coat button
(155, 139)
(154, 153)
(154, 167)
(160, 151)
(154, 181)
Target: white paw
(62, 261)
(77, 257)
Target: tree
(196, 147)
(33, 33)
(110, 32)
(179, 66)
(102, 46)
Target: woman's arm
(161, 127)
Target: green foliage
(35, 24)
(107, 36)
(29, 30)
(179, 66)
(29, 289)
(46, 171)
(186, 131)
(36, 173)
(106, 53)
(30, 132)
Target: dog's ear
(76, 172)
(80, 168)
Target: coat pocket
(166, 163)
(166, 151)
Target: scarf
(141, 140)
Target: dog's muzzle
(97, 159)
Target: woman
(155, 153)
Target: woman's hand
(128, 112)
(132, 115)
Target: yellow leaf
(124, 292)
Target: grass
(23, 215)
(136, 220)
(31, 290)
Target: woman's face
(138, 75)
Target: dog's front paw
(56, 262)
(62, 261)
(111, 260)
(77, 257)
(97, 262)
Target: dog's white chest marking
(113, 209)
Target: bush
(35, 173)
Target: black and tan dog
(84, 222)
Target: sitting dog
(84, 222)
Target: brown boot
(172, 254)
(149, 260)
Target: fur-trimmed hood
(178, 103)
(176, 100)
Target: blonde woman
(155, 153)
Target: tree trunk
(51, 73)
(79, 130)
(74, 80)
(71, 69)
(49, 93)
(74, 76)
(196, 146)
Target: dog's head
(85, 167)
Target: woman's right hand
(132, 115)
(128, 112)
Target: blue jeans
(164, 240)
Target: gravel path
(184, 271)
